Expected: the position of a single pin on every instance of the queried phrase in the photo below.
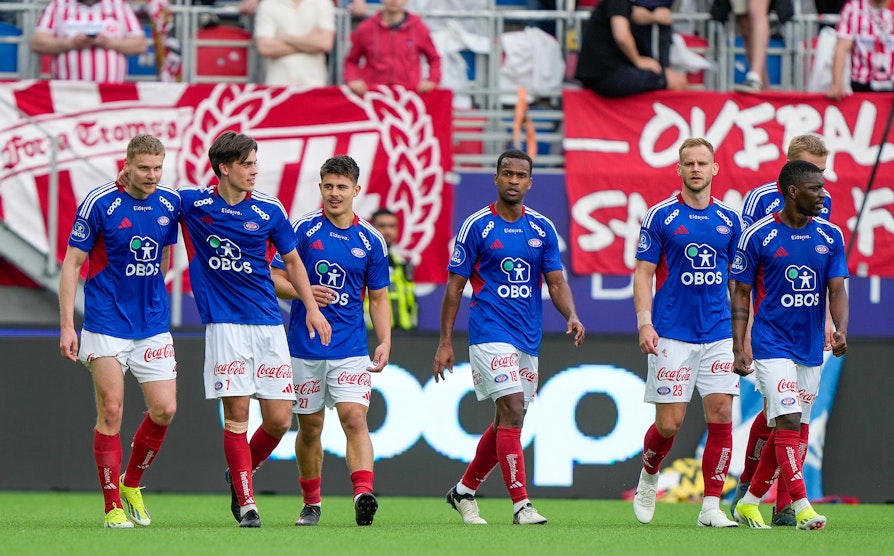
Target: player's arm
(453, 293)
(563, 301)
(643, 276)
(740, 303)
(323, 296)
(68, 286)
(298, 277)
(165, 260)
(838, 307)
(380, 314)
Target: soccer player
(227, 229)
(793, 259)
(688, 241)
(759, 202)
(126, 231)
(505, 249)
(347, 258)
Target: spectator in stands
(294, 37)
(659, 15)
(866, 33)
(89, 40)
(357, 8)
(386, 49)
(754, 23)
(401, 291)
(610, 64)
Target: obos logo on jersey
(332, 275)
(644, 242)
(739, 263)
(704, 262)
(145, 251)
(518, 273)
(226, 256)
(803, 282)
(458, 256)
(80, 230)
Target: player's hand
(323, 295)
(575, 327)
(317, 324)
(648, 340)
(839, 343)
(380, 357)
(443, 360)
(123, 179)
(827, 336)
(68, 344)
(358, 86)
(742, 364)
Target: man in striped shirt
(866, 34)
(89, 40)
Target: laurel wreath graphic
(414, 163)
(229, 107)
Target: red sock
(715, 459)
(655, 448)
(238, 457)
(310, 489)
(261, 445)
(783, 498)
(789, 463)
(107, 453)
(512, 462)
(362, 479)
(767, 470)
(484, 461)
(757, 439)
(146, 443)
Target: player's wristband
(643, 318)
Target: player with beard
(686, 243)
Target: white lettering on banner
(432, 412)
(878, 213)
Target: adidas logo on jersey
(207, 220)
(497, 244)
(125, 224)
(288, 389)
(681, 230)
(318, 245)
(780, 253)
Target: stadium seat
(223, 60)
(9, 52)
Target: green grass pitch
(71, 523)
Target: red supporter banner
(400, 140)
(621, 157)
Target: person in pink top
(89, 40)
(386, 49)
(866, 34)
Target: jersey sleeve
(551, 255)
(465, 252)
(86, 229)
(281, 232)
(378, 275)
(838, 268)
(745, 260)
(649, 247)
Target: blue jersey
(125, 294)
(347, 261)
(229, 254)
(766, 199)
(505, 262)
(789, 270)
(693, 249)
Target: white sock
(711, 503)
(749, 499)
(649, 477)
(463, 489)
(245, 508)
(519, 505)
(800, 505)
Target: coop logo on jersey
(803, 281)
(518, 272)
(145, 251)
(80, 231)
(226, 256)
(703, 259)
(458, 256)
